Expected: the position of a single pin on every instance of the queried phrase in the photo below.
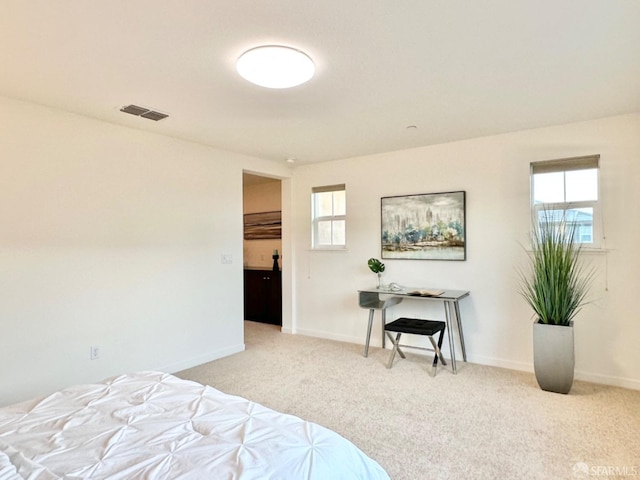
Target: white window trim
(596, 243)
(316, 221)
(564, 165)
(315, 246)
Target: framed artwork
(429, 226)
(261, 226)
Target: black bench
(416, 326)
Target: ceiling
(452, 69)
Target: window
(569, 185)
(328, 214)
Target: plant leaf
(556, 283)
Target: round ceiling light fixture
(274, 66)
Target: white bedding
(156, 426)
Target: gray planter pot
(553, 356)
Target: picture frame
(263, 225)
(428, 226)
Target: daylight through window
(569, 186)
(328, 213)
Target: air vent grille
(144, 112)
(151, 115)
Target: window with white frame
(328, 217)
(570, 187)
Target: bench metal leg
(396, 345)
(438, 353)
(395, 349)
(438, 349)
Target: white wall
(494, 172)
(113, 237)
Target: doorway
(262, 248)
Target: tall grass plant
(556, 283)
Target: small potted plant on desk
(555, 286)
(377, 267)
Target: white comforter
(156, 426)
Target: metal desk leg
(459, 320)
(366, 345)
(452, 347)
(384, 322)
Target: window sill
(584, 251)
(329, 250)
(594, 251)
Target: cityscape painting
(429, 226)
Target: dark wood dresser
(263, 296)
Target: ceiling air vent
(151, 115)
(143, 112)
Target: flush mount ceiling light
(275, 66)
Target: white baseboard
(492, 361)
(500, 362)
(578, 374)
(608, 380)
(209, 357)
(329, 336)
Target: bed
(153, 425)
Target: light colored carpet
(483, 423)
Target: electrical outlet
(94, 352)
(226, 258)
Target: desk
(449, 299)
